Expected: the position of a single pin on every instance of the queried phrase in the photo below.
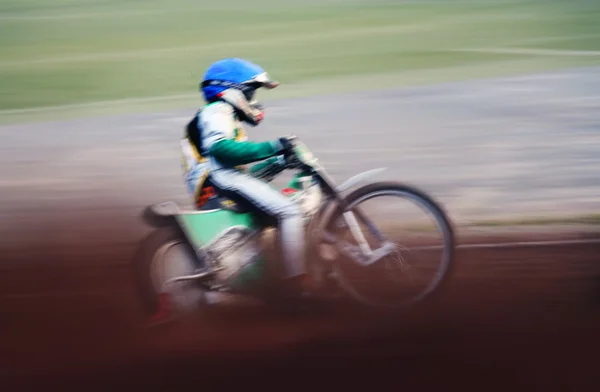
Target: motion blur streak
(491, 106)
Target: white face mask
(251, 113)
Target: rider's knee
(291, 211)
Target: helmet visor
(261, 80)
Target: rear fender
(161, 214)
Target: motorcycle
(219, 246)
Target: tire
(156, 306)
(432, 206)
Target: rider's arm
(219, 127)
(235, 153)
(269, 168)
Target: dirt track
(513, 319)
(517, 318)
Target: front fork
(362, 254)
(357, 233)
(366, 256)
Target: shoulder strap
(194, 133)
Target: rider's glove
(291, 161)
(287, 150)
(286, 146)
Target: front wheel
(384, 254)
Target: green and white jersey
(223, 145)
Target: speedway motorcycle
(219, 247)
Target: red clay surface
(512, 319)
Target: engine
(237, 253)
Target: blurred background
(492, 106)
(62, 53)
(519, 132)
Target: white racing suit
(216, 155)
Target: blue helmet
(235, 81)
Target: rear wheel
(163, 255)
(388, 256)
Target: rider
(216, 147)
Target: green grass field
(64, 56)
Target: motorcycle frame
(163, 214)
